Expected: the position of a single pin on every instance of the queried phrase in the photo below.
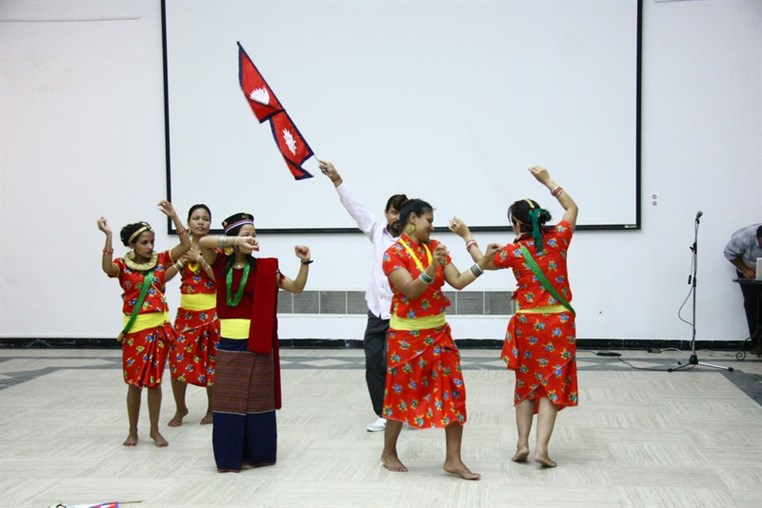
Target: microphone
(699, 214)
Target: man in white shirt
(378, 294)
(743, 249)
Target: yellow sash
(235, 328)
(549, 309)
(146, 321)
(421, 323)
(201, 301)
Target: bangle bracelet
(556, 191)
(471, 243)
(476, 270)
(108, 251)
(309, 261)
(426, 278)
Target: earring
(410, 229)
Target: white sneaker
(377, 426)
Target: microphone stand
(693, 360)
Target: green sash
(142, 298)
(543, 279)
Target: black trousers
(374, 344)
(752, 293)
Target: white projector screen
(449, 102)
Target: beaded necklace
(234, 299)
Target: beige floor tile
(638, 439)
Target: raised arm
(460, 228)
(211, 242)
(361, 215)
(107, 262)
(558, 192)
(182, 233)
(297, 285)
(330, 171)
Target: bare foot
(132, 439)
(177, 420)
(207, 419)
(460, 469)
(545, 461)
(521, 455)
(393, 463)
(158, 439)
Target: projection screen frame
(353, 230)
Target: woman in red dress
(193, 355)
(147, 332)
(424, 385)
(540, 343)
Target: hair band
(137, 233)
(241, 222)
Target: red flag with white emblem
(291, 144)
(258, 94)
(266, 106)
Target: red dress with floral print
(144, 351)
(194, 353)
(541, 346)
(424, 384)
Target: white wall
(82, 135)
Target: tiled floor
(641, 436)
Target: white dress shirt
(378, 294)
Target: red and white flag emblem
(258, 94)
(266, 106)
(291, 144)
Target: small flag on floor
(111, 504)
(265, 106)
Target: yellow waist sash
(201, 301)
(146, 321)
(549, 309)
(235, 328)
(421, 323)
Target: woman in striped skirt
(247, 378)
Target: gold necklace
(193, 266)
(129, 260)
